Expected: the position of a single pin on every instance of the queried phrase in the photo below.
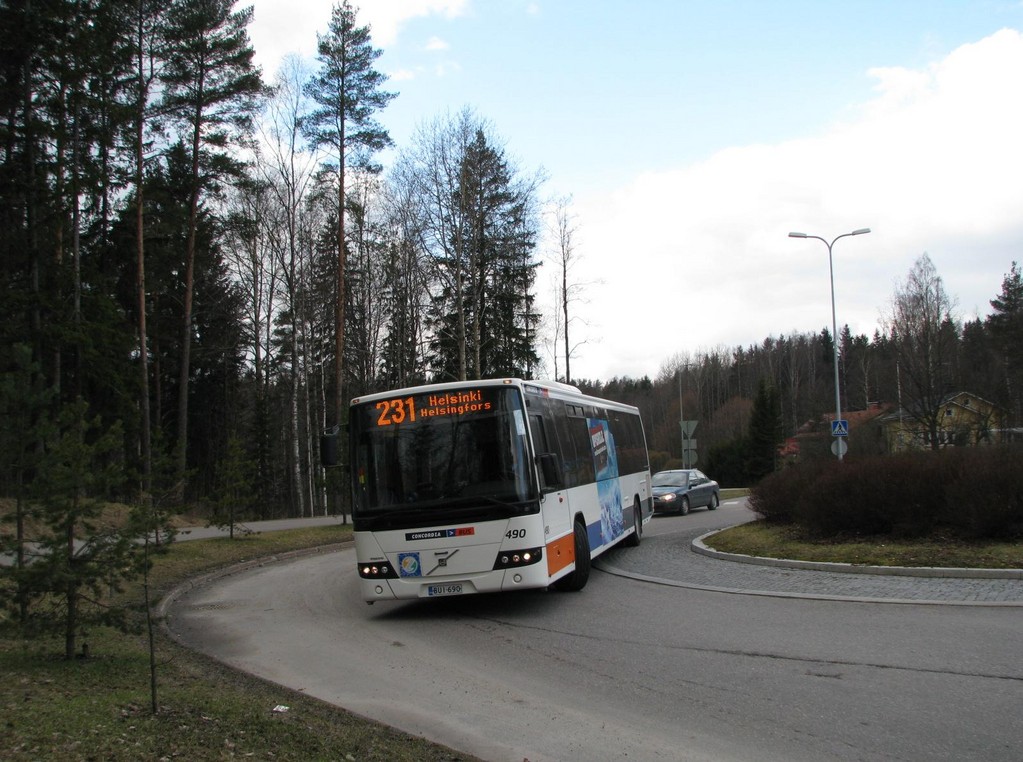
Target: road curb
(163, 607)
(700, 547)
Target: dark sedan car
(679, 490)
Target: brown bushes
(968, 493)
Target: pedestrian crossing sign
(840, 428)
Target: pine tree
(24, 428)
(217, 344)
(1006, 327)
(145, 35)
(233, 493)
(212, 88)
(78, 561)
(60, 85)
(485, 311)
(347, 93)
(981, 369)
(765, 432)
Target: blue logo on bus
(409, 566)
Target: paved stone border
(896, 571)
(674, 560)
(163, 607)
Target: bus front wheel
(576, 580)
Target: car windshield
(670, 479)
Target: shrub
(726, 463)
(968, 493)
(985, 501)
(839, 501)
(776, 497)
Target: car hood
(657, 491)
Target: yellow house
(963, 420)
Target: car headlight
(669, 497)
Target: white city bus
(484, 486)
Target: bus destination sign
(394, 412)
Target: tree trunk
(296, 450)
(140, 271)
(339, 307)
(70, 595)
(564, 308)
(186, 318)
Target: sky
(693, 135)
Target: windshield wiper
(517, 505)
(442, 507)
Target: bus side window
(539, 435)
(547, 460)
(627, 442)
(578, 430)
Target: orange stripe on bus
(560, 553)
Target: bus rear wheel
(577, 579)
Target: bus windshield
(435, 454)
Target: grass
(100, 707)
(731, 493)
(761, 539)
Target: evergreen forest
(200, 268)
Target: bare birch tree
(432, 166)
(921, 324)
(405, 288)
(477, 226)
(562, 230)
(257, 273)
(288, 173)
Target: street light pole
(834, 319)
(682, 421)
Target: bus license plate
(454, 588)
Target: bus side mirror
(550, 470)
(328, 447)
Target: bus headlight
(377, 570)
(511, 559)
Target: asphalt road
(630, 669)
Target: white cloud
(385, 17)
(698, 257)
(401, 75)
(446, 68)
(280, 29)
(283, 28)
(435, 44)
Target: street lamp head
(797, 235)
(861, 231)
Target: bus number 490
(515, 534)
